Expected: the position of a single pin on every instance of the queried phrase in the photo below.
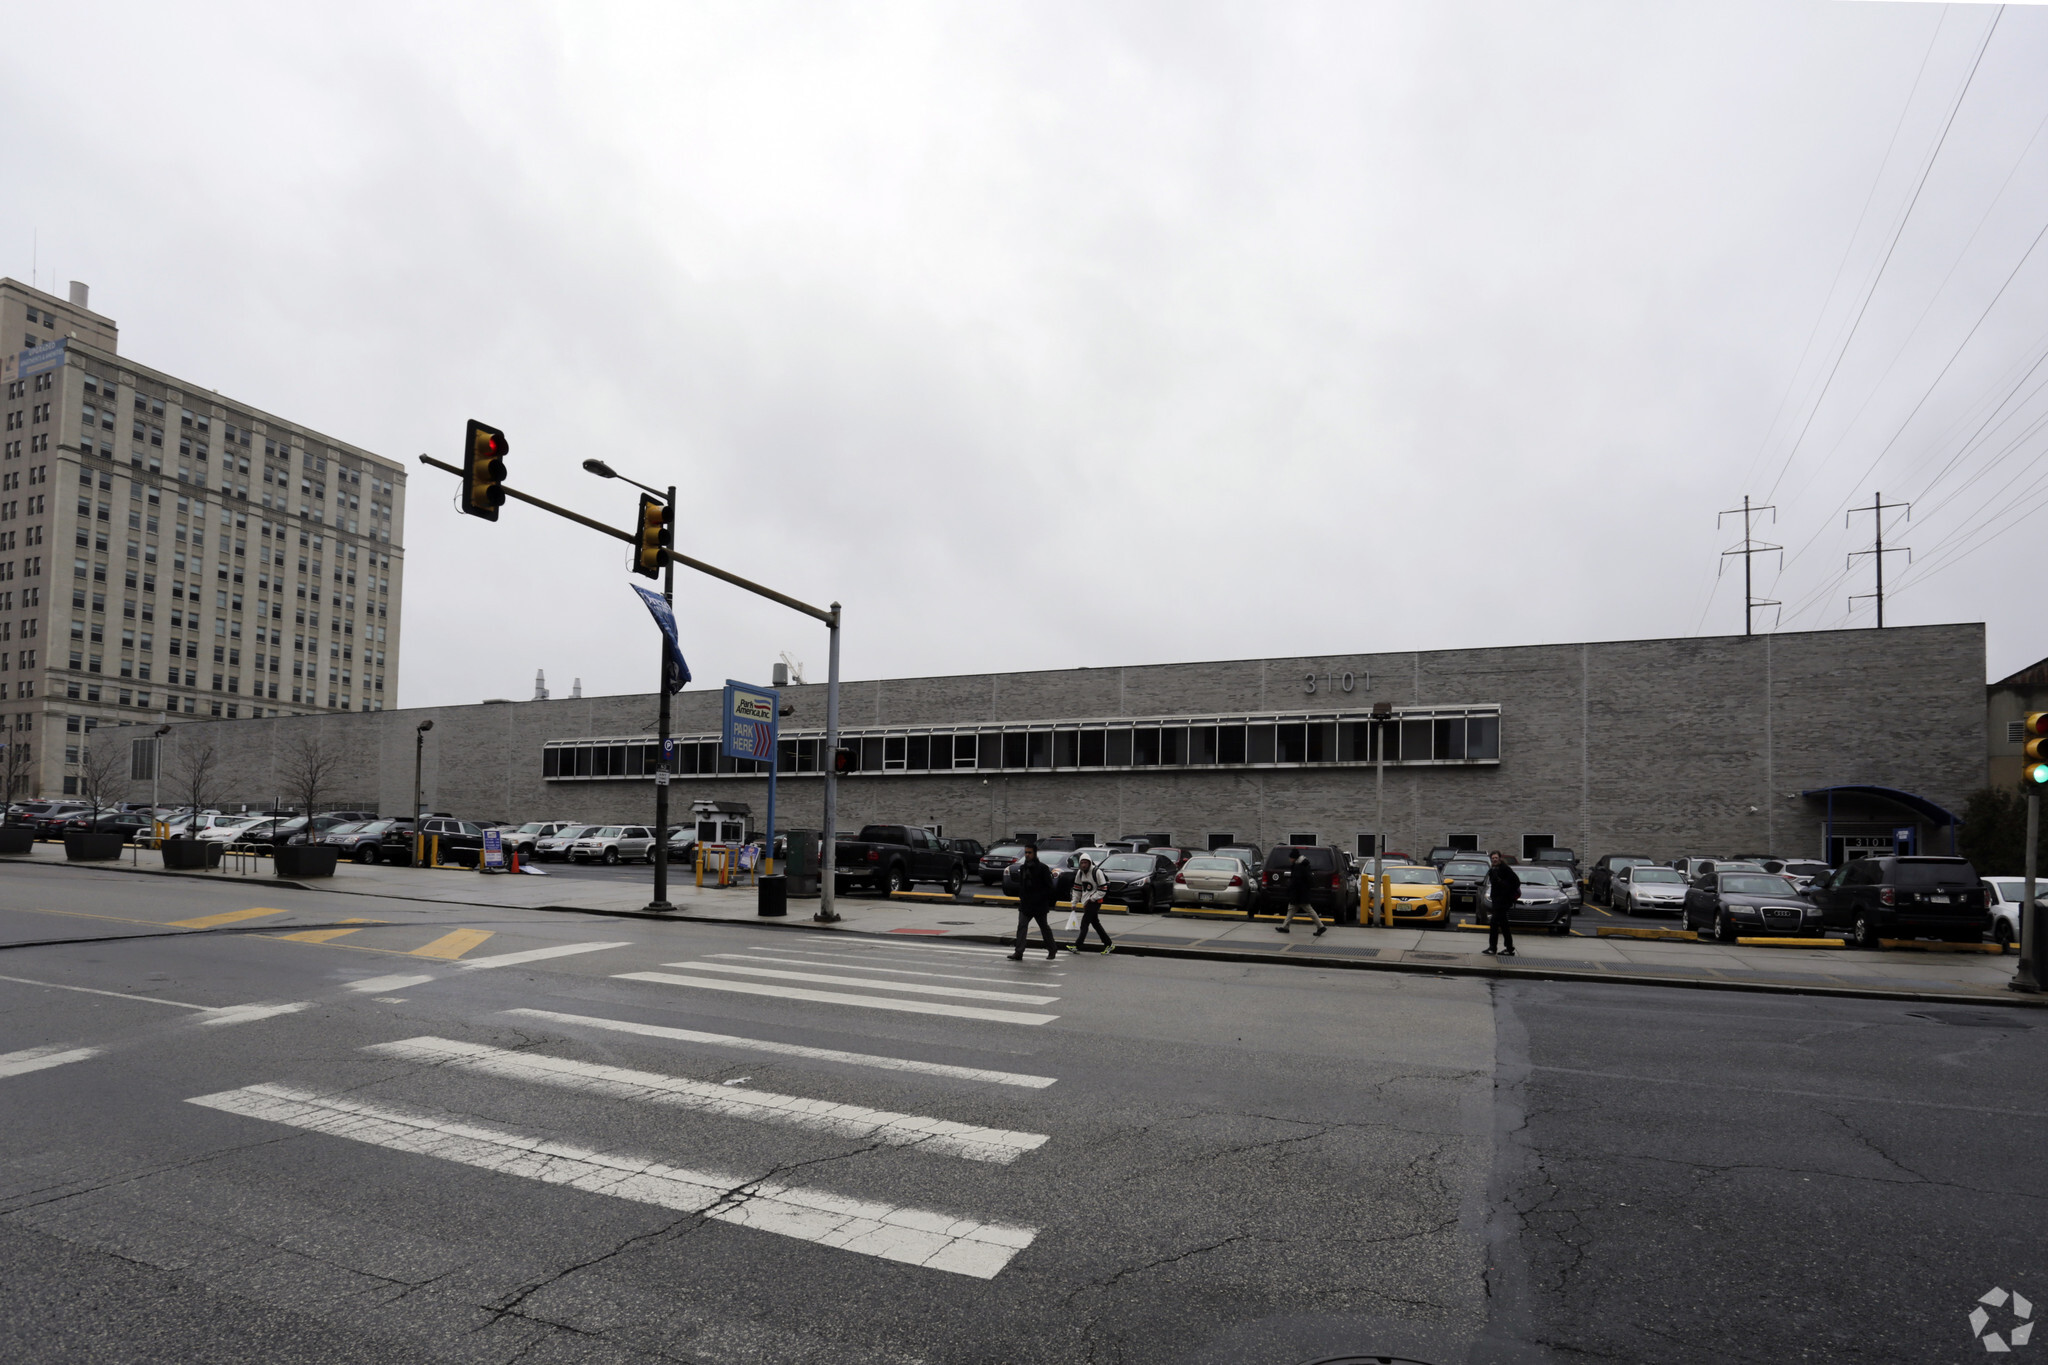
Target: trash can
(773, 896)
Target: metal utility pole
(419, 749)
(661, 772)
(1382, 712)
(1750, 548)
(1878, 552)
(2032, 975)
(829, 855)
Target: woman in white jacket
(1089, 886)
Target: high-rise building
(166, 552)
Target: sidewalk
(1814, 969)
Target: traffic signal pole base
(659, 906)
(827, 917)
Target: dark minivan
(1332, 889)
(1906, 897)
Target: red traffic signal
(483, 471)
(843, 762)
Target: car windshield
(1738, 867)
(1211, 865)
(1756, 884)
(1911, 872)
(346, 827)
(1057, 859)
(608, 832)
(1128, 862)
(1541, 876)
(1007, 851)
(1805, 869)
(1644, 875)
(1619, 863)
(2014, 889)
(1412, 876)
(1462, 869)
(371, 827)
(531, 827)
(1554, 855)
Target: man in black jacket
(1300, 880)
(1034, 901)
(1502, 888)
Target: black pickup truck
(886, 858)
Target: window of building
(1463, 843)
(1303, 840)
(1532, 844)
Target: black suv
(1880, 898)
(1600, 877)
(1333, 889)
(1465, 881)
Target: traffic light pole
(2032, 975)
(828, 856)
(661, 772)
(826, 914)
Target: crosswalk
(820, 970)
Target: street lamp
(156, 768)
(419, 748)
(661, 773)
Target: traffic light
(651, 535)
(483, 471)
(842, 762)
(2036, 751)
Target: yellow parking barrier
(1919, 946)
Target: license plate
(1208, 895)
(1939, 898)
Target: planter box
(93, 848)
(305, 860)
(190, 855)
(17, 838)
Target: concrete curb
(114, 865)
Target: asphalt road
(418, 1134)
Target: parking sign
(752, 721)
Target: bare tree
(197, 768)
(310, 761)
(101, 780)
(16, 767)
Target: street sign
(494, 848)
(751, 721)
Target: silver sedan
(1648, 890)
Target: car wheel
(369, 854)
(952, 883)
(611, 857)
(893, 881)
(1864, 933)
(2001, 934)
(1724, 931)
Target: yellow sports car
(1417, 894)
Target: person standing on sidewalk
(1089, 887)
(1502, 889)
(1034, 902)
(1300, 878)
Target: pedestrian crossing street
(952, 980)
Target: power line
(1749, 549)
(1876, 509)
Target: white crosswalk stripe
(843, 1120)
(821, 1054)
(478, 964)
(873, 1002)
(855, 962)
(245, 1014)
(384, 985)
(42, 1058)
(961, 949)
(920, 1237)
(906, 987)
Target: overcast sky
(1058, 334)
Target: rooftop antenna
(1877, 509)
(796, 669)
(1750, 548)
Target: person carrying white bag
(1086, 895)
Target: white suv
(528, 836)
(613, 844)
(2006, 895)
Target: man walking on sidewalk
(1502, 889)
(1087, 892)
(1300, 877)
(1034, 901)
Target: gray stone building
(1810, 744)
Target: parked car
(1415, 892)
(359, 841)
(1692, 868)
(890, 858)
(1444, 853)
(1062, 863)
(132, 826)
(612, 844)
(1215, 879)
(50, 821)
(2006, 895)
(1542, 902)
(1801, 872)
(1564, 858)
(1251, 855)
(554, 847)
(995, 860)
(1333, 886)
(347, 816)
(1058, 843)
(524, 837)
(227, 828)
(1556, 875)
(970, 852)
(1600, 876)
(313, 831)
(1734, 904)
(1141, 881)
(1465, 881)
(1644, 888)
(448, 836)
(1905, 897)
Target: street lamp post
(419, 749)
(1382, 712)
(156, 768)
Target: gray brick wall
(1654, 746)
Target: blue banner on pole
(676, 675)
(752, 721)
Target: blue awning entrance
(1940, 816)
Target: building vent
(2015, 732)
(79, 293)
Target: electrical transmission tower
(1878, 551)
(1750, 548)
